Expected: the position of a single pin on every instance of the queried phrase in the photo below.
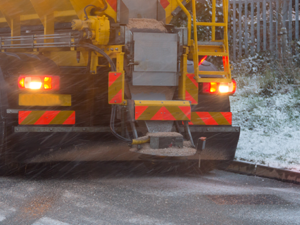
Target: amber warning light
(39, 82)
(219, 88)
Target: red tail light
(202, 60)
(219, 88)
(39, 82)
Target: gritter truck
(118, 74)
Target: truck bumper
(221, 141)
(44, 144)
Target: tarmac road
(127, 193)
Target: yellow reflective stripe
(45, 100)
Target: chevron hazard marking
(113, 4)
(163, 111)
(115, 88)
(211, 118)
(191, 89)
(164, 3)
(47, 117)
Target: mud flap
(221, 142)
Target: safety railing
(40, 41)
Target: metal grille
(39, 41)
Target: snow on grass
(270, 128)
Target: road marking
(49, 221)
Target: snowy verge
(270, 129)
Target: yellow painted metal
(204, 50)
(79, 6)
(218, 80)
(48, 26)
(213, 33)
(192, 87)
(45, 100)
(15, 26)
(182, 79)
(161, 103)
(116, 88)
(186, 86)
(162, 110)
(212, 73)
(113, 51)
(119, 84)
(173, 4)
(14, 8)
(140, 141)
(209, 50)
(68, 58)
(209, 24)
(217, 117)
(59, 119)
(56, 14)
(98, 25)
(37, 9)
(189, 20)
(120, 61)
(48, 9)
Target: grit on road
(127, 193)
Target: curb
(264, 171)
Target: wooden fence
(256, 25)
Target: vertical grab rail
(195, 44)
(189, 25)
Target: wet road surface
(128, 193)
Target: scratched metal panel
(155, 52)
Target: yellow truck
(115, 73)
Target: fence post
(283, 43)
(234, 30)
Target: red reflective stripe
(191, 77)
(70, 120)
(159, 114)
(23, 115)
(46, 118)
(188, 97)
(117, 98)
(113, 4)
(207, 118)
(227, 116)
(164, 3)
(167, 115)
(186, 110)
(139, 110)
(113, 77)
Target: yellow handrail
(189, 18)
(195, 52)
